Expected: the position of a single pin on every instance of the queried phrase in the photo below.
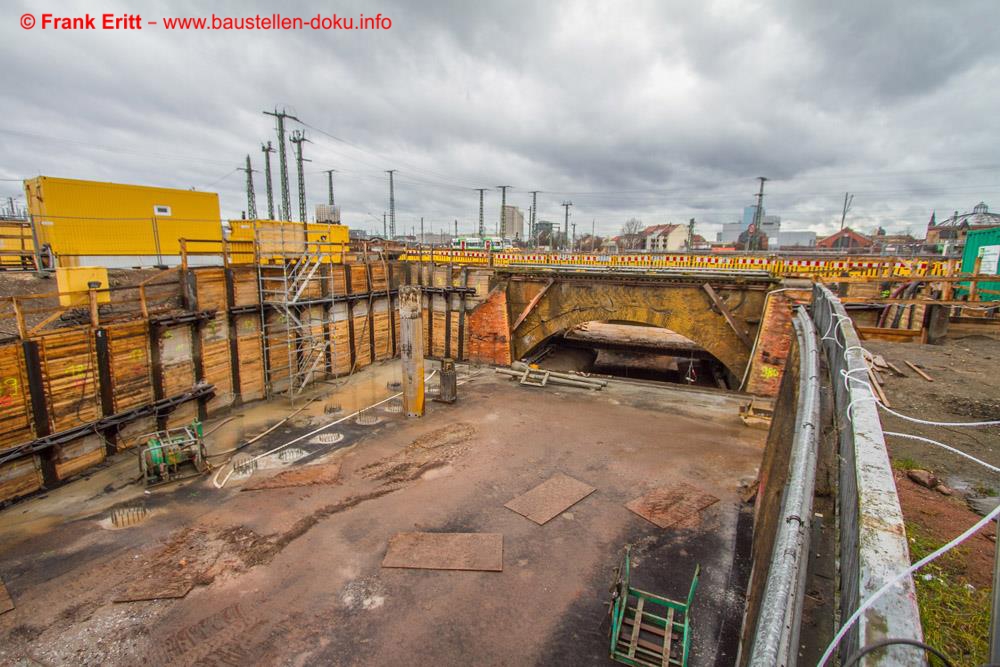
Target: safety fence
(779, 265)
(872, 535)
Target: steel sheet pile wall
(783, 509)
(873, 544)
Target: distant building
(543, 232)
(792, 239)
(664, 238)
(845, 239)
(948, 237)
(730, 232)
(698, 242)
(513, 223)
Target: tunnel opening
(635, 351)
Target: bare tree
(632, 234)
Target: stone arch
(685, 309)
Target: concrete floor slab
(293, 575)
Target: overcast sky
(660, 110)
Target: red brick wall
(774, 342)
(489, 330)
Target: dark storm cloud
(661, 110)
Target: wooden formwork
(131, 381)
(15, 402)
(20, 477)
(245, 286)
(76, 456)
(68, 361)
(216, 361)
(340, 340)
(362, 335)
(250, 356)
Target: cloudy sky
(660, 110)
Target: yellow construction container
(278, 239)
(86, 222)
(77, 279)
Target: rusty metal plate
(446, 551)
(674, 506)
(306, 475)
(550, 498)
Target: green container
(974, 242)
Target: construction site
(278, 445)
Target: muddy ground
(966, 387)
(292, 575)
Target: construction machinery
(173, 454)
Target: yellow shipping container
(282, 238)
(84, 220)
(78, 279)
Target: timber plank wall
(67, 378)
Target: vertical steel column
(411, 350)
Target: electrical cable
(895, 641)
(944, 446)
(908, 572)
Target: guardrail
(873, 545)
(873, 267)
(776, 638)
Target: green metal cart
(647, 629)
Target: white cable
(901, 576)
(994, 422)
(944, 446)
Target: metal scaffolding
(295, 312)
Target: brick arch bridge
(719, 312)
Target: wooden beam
(724, 309)
(531, 304)
(918, 371)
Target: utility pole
(392, 203)
(251, 197)
(572, 245)
(482, 229)
(593, 234)
(286, 206)
(456, 228)
(753, 240)
(534, 213)
(421, 230)
(298, 137)
(385, 232)
(503, 206)
(566, 205)
(847, 207)
(267, 149)
(690, 241)
(329, 180)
